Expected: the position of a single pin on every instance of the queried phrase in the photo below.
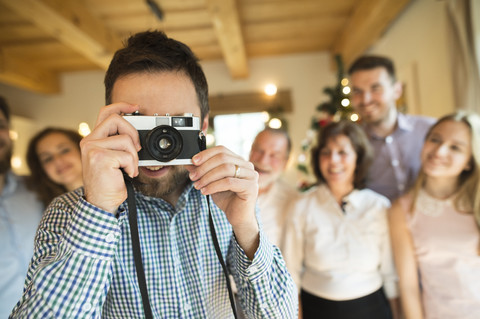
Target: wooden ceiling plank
(114, 7)
(316, 28)
(72, 24)
(367, 23)
(20, 73)
(173, 21)
(262, 12)
(288, 46)
(227, 27)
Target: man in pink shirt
(397, 138)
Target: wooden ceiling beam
(366, 25)
(20, 73)
(71, 23)
(226, 22)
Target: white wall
(416, 42)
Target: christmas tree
(335, 108)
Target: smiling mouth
(154, 168)
(335, 170)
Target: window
(237, 131)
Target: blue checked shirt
(83, 265)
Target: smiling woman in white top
(337, 244)
(435, 237)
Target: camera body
(167, 140)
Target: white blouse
(340, 254)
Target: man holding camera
(83, 265)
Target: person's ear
(205, 124)
(398, 89)
(468, 166)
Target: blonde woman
(434, 232)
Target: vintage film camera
(167, 140)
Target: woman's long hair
(468, 193)
(38, 181)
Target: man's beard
(175, 179)
(6, 160)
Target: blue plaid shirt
(83, 265)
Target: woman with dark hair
(435, 226)
(54, 160)
(337, 244)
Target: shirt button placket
(87, 307)
(110, 237)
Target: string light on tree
(274, 117)
(337, 107)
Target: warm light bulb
(354, 117)
(344, 82)
(302, 158)
(270, 89)
(13, 135)
(265, 116)
(346, 90)
(275, 123)
(83, 129)
(345, 102)
(16, 162)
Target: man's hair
(368, 62)
(151, 52)
(360, 144)
(4, 108)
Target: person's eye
(276, 157)
(435, 140)
(65, 150)
(356, 92)
(46, 160)
(456, 148)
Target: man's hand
(112, 146)
(233, 184)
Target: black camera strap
(137, 252)
(203, 145)
(220, 258)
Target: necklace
(431, 206)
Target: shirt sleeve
(293, 243)
(68, 276)
(265, 287)
(387, 265)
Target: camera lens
(164, 143)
